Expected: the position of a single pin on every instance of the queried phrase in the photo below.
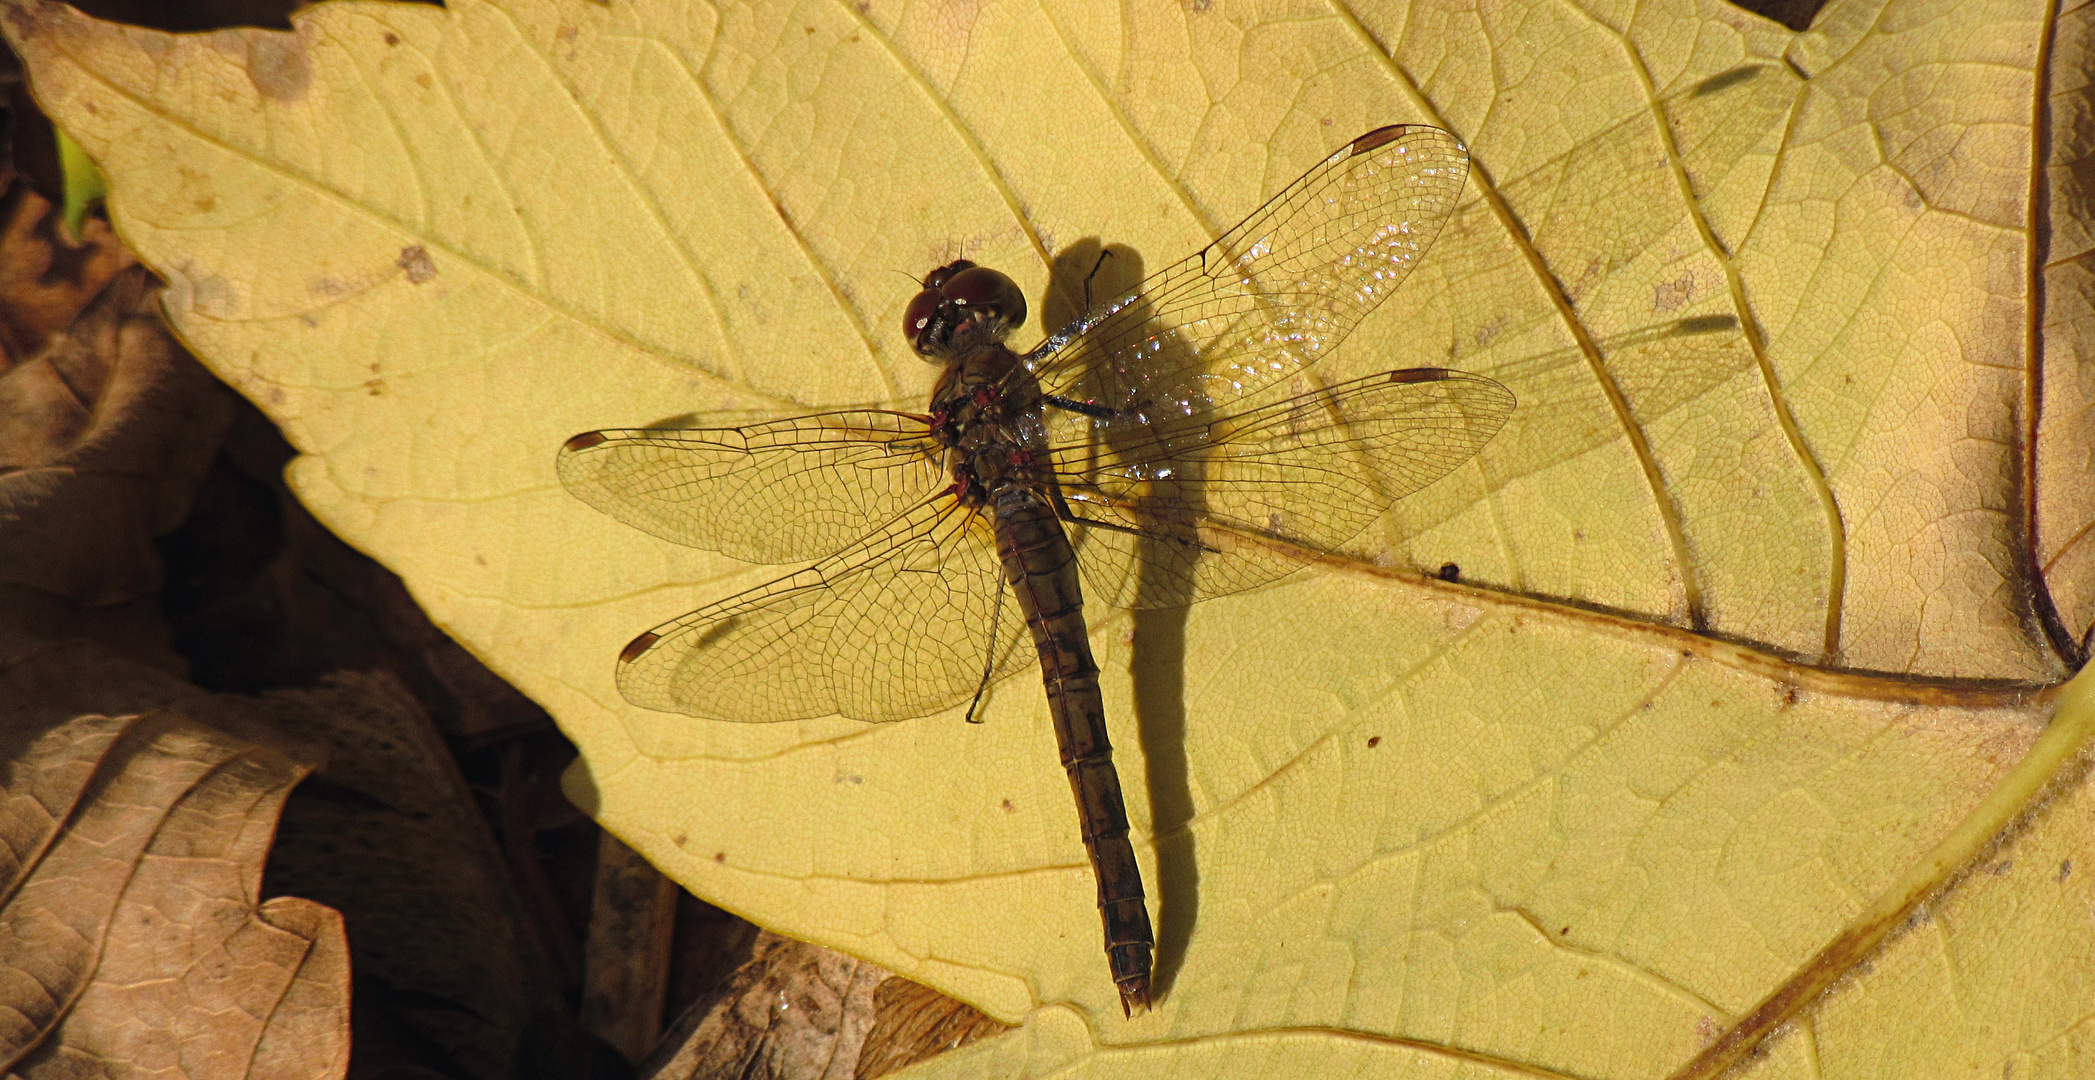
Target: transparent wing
(1271, 296)
(1228, 503)
(899, 624)
(780, 491)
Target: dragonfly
(1163, 448)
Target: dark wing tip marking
(1381, 136)
(637, 646)
(1421, 374)
(586, 440)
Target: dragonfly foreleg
(1103, 255)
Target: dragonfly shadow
(1158, 644)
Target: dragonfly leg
(1103, 255)
(989, 662)
(1096, 412)
(1063, 511)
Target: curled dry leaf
(387, 833)
(104, 436)
(632, 927)
(795, 1011)
(45, 277)
(133, 937)
(912, 1023)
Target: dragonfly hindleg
(1063, 511)
(1094, 411)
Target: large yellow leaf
(1750, 589)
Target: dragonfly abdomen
(1042, 571)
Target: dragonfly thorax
(986, 410)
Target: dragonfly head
(962, 304)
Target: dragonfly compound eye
(986, 294)
(962, 304)
(937, 278)
(917, 322)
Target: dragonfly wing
(1229, 503)
(1271, 296)
(899, 624)
(773, 492)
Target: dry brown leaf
(45, 278)
(2060, 519)
(133, 937)
(912, 1023)
(794, 1011)
(632, 925)
(103, 439)
(387, 833)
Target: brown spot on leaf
(1673, 294)
(213, 296)
(22, 22)
(415, 260)
(278, 66)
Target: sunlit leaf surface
(1731, 675)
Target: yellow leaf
(1732, 678)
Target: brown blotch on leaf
(415, 260)
(1669, 295)
(277, 64)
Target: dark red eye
(979, 288)
(943, 274)
(918, 315)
